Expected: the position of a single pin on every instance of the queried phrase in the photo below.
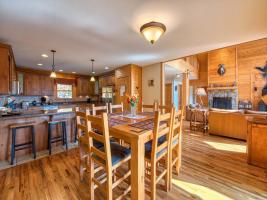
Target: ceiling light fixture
(92, 77)
(73, 72)
(152, 31)
(53, 73)
(39, 64)
(44, 55)
(61, 70)
(106, 68)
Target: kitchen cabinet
(106, 80)
(47, 85)
(7, 69)
(83, 86)
(32, 84)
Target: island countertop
(37, 113)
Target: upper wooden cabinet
(47, 85)
(106, 80)
(36, 84)
(7, 69)
(83, 87)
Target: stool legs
(49, 138)
(64, 136)
(13, 145)
(33, 142)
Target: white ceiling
(108, 30)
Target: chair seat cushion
(97, 144)
(148, 147)
(118, 153)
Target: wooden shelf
(222, 88)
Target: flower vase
(133, 111)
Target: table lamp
(200, 92)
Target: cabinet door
(4, 71)
(47, 85)
(82, 87)
(32, 84)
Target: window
(64, 91)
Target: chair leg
(49, 139)
(13, 145)
(153, 181)
(33, 142)
(62, 133)
(91, 176)
(170, 170)
(167, 176)
(109, 187)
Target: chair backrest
(154, 106)
(81, 121)
(99, 108)
(177, 124)
(101, 157)
(163, 126)
(165, 108)
(117, 107)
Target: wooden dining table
(136, 132)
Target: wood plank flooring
(213, 168)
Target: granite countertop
(37, 113)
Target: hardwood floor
(213, 168)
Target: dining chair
(176, 143)
(107, 159)
(157, 150)
(153, 107)
(82, 128)
(96, 109)
(165, 108)
(118, 107)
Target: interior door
(123, 87)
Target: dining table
(136, 131)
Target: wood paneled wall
(250, 81)
(226, 56)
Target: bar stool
(16, 147)
(63, 136)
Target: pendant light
(152, 31)
(92, 77)
(53, 73)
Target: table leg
(137, 169)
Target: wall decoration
(122, 90)
(151, 83)
(221, 69)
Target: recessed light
(39, 64)
(44, 55)
(106, 67)
(93, 72)
(73, 72)
(61, 70)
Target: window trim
(64, 90)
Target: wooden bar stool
(63, 137)
(16, 147)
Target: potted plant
(133, 100)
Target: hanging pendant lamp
(92, 77)
(53, 72)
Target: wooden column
(185, 90)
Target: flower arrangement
(133, 100)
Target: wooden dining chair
(96, 109)
(158, 149)
(107, 159)
(165, 108)
(118, 107)
(152, 108)
(82, 136)
(176, 143)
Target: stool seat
(22, 125)
(16, 147)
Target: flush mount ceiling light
(44, 55)
(92, 77)
(152, 31)
(53, 73)
(39, 64)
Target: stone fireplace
(223, 98)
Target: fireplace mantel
(222, 88)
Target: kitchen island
(41, 119)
